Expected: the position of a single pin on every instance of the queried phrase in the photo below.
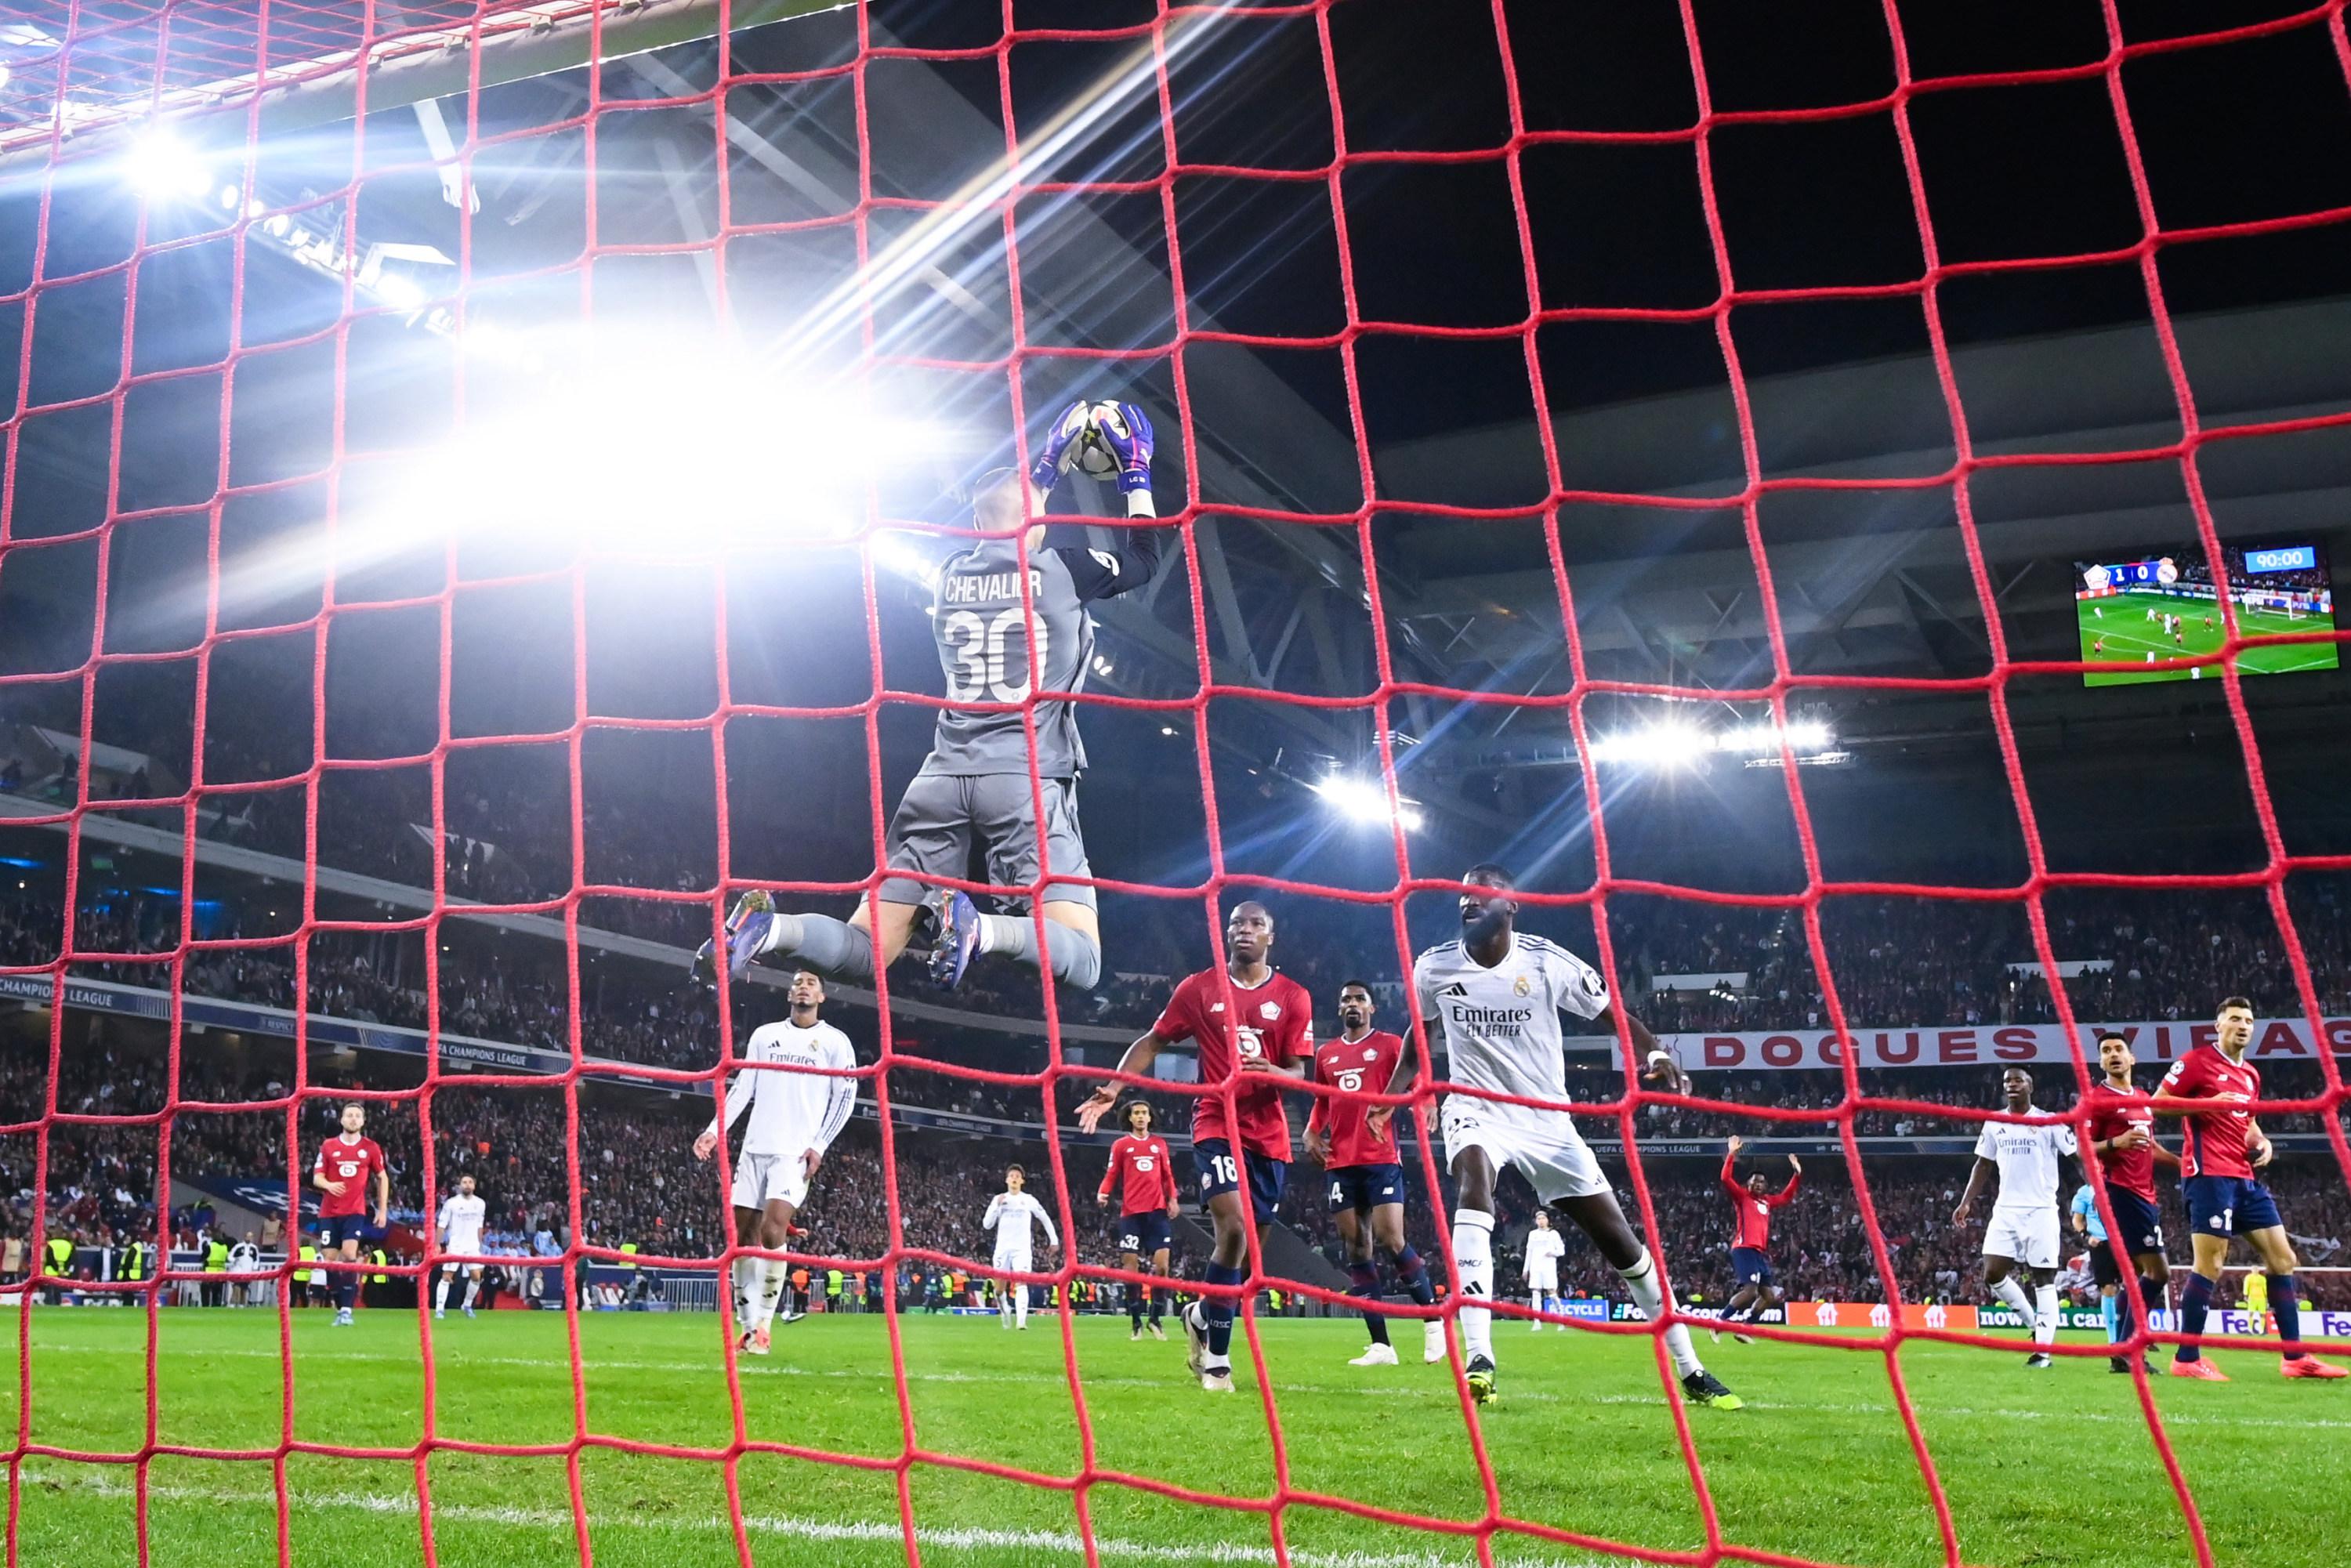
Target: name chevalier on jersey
(986, 588)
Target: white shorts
(1545, 1282)
(1017, 1262)
(2027, 1234)
(1544, 1145)
(453, 1270)
(760, 1177)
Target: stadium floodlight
(639, 441)
(1669, 743)
(1803, 736)
(162, 166)
(1361, 800)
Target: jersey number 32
(987, 651)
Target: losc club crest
(1522, 985)
(1271, 1010)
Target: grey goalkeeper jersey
(991, 651)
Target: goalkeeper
(975, 783)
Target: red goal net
(165, 167)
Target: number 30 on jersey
(989, 650)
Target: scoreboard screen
(2157, 615)
(2282, 558)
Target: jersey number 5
(985, 652)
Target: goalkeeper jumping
(975, 781)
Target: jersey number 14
(986, 650)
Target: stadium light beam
(1360, 800)
(161, 167)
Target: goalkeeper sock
(1473, 1265)
(2285, 1300)
(1071, 954)
(1216, 1313)
(440, 1295)
(1365, 1282)
(828, 946)
(2195, 1301)
(2044, 1314)
(2110, 1314)
(2010, 1291)
(1648, 1289)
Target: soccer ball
(1094, 455)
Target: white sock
(771, 1290)
(441, 1294)
(1020, 1305)
(1473, 1269)
(2045, 1317)
(748, 1273)
(473, 1290)
(2011, 1291)
(1648, 1289)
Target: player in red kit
(1751, 1246)
(1244, 1056)
(2220, 1157)
(2120, 1132)
(1356, 1146)
(349, 1169)
(1143, 1171)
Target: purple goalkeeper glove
(1130, 440)
(1059, 447)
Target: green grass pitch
(2043, 1468)
(2130, 636)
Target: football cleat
(469, 1311)
(956, 940)
(1195, 1341)
(2038, 1361)
(747, 929)
(1743, 1338)
(2118, 1364)
(2200, 1369)
(1715, 1335)
(1375, 1355)
(756, 1342)
(1481, 1377)
(1217, 1380)
(1157, 1333)
(2311, 1367)
(1702, 1388)
(438, 1314)
(1135, 1333)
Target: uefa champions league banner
(2156, 1042)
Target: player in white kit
(460, 1227)
(1498, 996)
(2024, 1229)
(1545, 1247)
(797, 1088)
(1013, 1215)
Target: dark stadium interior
(285, 724)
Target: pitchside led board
(2135, 613)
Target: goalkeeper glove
(1128, 435)
(1060, 448)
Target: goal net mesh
(78, 73)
